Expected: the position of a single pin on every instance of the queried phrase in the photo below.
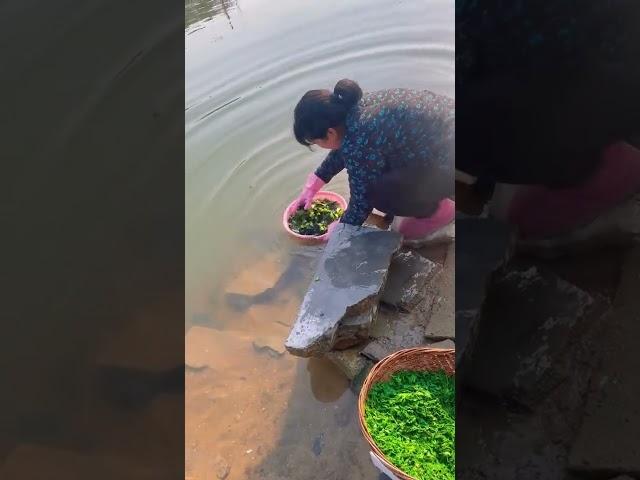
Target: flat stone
(398, 331)
(528, 320)
(350, 362)
(441, 324)
(607, 441)
(378, 349)
(347, 282)
(410, 280)
(273, 346)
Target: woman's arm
(360, 206)
(331, 166)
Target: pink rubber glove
(311, 187)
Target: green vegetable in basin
(411, 418)
(316, 220)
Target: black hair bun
(347, 92)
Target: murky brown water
(252, 414)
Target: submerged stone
(270, 345)
(348, 280)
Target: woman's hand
(311, 187)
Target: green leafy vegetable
(411, 418)
(317, 219)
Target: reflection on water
(202, 10)
(327, 383)
(259, 412)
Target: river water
(248, 62)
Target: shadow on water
(296, 275)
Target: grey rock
(527, 322)
(442, 321)
(378, 349)
(350, 362)
(347, 282)
(410, 278)
(394, 331)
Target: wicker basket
(423, 359)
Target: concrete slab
(607, 443)
(411, 278)
(348, 280)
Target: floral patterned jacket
(390, 129)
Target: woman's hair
(319, 110)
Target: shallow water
(247, 64)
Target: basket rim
(364, 393)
